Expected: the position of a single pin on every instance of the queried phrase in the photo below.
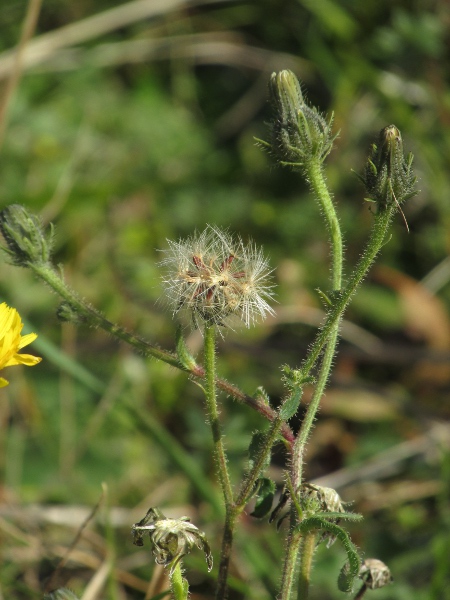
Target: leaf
(265, 491)
(291, 404)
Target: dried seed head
(215, 277)
(374, 573)
(171, 538)
(316, 499)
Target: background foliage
(130, 135)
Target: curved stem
(316, 180)
(93, 318)
(374, 245)
(315, 177)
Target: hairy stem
(213, 414)
(221, 460)
(249, 483)
(290, 566)
(225, 554)
(179, 585)
(307, 549)
(316, 180)
(374, 245)
(315, 177)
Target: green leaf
(291, 403)
(265, 490)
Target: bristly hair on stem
(217, 278)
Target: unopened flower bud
(25, 237)
(299, 132)
(388, 176)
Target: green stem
(307, 549)
(290, 566)
(213, 414)
(310, 415)
(249, 483)
(179, 585)
(225, 554)
(95, 319)
(314, 176)
(221, 460)
(374, 245)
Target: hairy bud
(25, 237)
(388, 176)
(299, 132)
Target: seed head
(214, 278)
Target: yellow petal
(27, 339)
(23, 359)
(3, 382)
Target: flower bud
(388, 176)
(299, 132)
(25, 237)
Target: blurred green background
(127, 128)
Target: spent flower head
(171, 538)
(215, 277)
(374, 573)
(316, 499)
(11, 341)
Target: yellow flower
(11, 341)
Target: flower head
(11, 341)
(215, 277)
(171, 538)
